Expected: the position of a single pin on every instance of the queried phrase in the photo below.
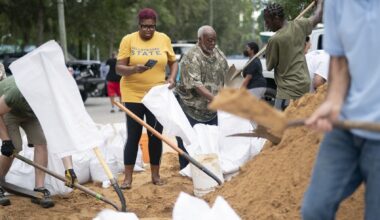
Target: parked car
(88, 77)
(181, 48)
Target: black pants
(134, 130)
(182, 161)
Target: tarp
(52, 93)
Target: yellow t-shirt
(134, 87)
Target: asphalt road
(99, 109)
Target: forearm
(67, 162)
(3, 130)
(125, 70)
(173, 70)
(201, 90)
(246, 81)
(317, 17)
(339, 80)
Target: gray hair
(204, 29)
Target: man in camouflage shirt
(202, 76)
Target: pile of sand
(270, 186)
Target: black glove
(7, 148)
(71, 178)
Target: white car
(181, 48)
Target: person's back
(112, 76)
(285, 55)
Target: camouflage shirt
(198, 69)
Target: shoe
(112, 111)
(156, 179)
(128, 172)
(4, 201)
(126, 185)
(45, 201)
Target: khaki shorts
(30, 125)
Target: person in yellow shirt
(135, 50)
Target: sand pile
(271, 185)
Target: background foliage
(102, 23)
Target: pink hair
(147, 13)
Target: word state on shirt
(145, 51)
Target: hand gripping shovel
(24, 192)
(169, 142)
(272, 123)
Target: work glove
(7, 148)
(71, 178)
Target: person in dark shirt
(254, 80)
(113, 81)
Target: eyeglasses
(146, 26)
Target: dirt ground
(144, 199)
(269, 187)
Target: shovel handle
(368, 126)
(110, 176)
(168, 142)
(76, 185)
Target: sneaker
(112, 111)
(45, 201)
(4, 201)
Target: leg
(40, 158)
(258, 92)
(281, 104)
(336, 175)
(370, 164)
(155, 148)
(111, 94)
(134, 130)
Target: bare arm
(246, 81)
(339, 80)
(4, 108)
(317, 17)
(173, 73)
(123, 68)
(201, 90)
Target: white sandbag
(188, 208)
(81, 163)
(20, 173)
(161, 101)
(43, 79)
(235, 151)
(115, 138)
(115, 215)
(96, 169)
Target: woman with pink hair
(137, 79)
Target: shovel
(272, 123)
(169, 143)
(24, 192)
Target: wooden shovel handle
(368, 126)
(169, 143)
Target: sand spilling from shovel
(271, 185)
